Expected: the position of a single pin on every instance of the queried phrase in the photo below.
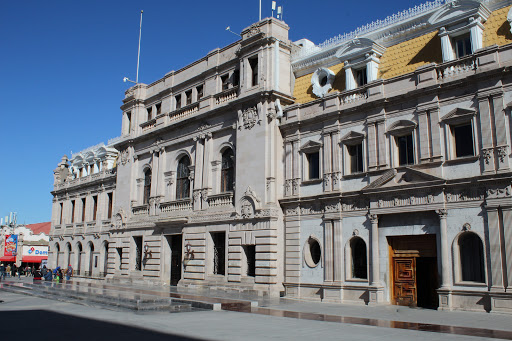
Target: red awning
(33, 259)
(8, 259)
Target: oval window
(312, 252)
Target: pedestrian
(8, 270)
(69, 272)
(48, 275)
(2, 271)
(13, 271)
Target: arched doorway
(104, 251)
(67, 256)
(78, 254)
(91, 259)
(56, 252)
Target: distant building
(31, 244)
(373, 168)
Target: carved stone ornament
(250, 117)
(253, 30)
(322, 81)
(502, 153)
(356, 232)
(466, 227)
(374, 218)
(442, 213)
(487, 155)
(124, 156)
(246, 209)
(119, 219)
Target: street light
(126, 79)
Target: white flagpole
(260, 10)
(138, 54)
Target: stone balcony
(106, 174)
(221, 200)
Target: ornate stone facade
(247, 179)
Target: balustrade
(226, 95)
(219, 200)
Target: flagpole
(260, 10)
(138, 54)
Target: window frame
(308, 149)
(458, 260)
(398, 130)
(456, 118)
(227, 173)
(185, 179)
(353, 139)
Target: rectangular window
(83, 209)
(313, 160)
(224, 79)
(236, 77)
(200, 92)
(355, 154)
(219, 256)
(94, 207)
(462, 136)
(158, 108)
(188, 96)
(128, 122)
(109, 205)
(253, 63)
(72, 211)
(462, 45)
(61, 210)
(405, 148)
(178, 101)
(150, 113)
(360, 76)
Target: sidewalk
(387, 316)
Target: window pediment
(401, 127)
(359, 47)
(310, 146)
(459, 115)
(352, 137)
(459, 10)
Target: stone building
(83, 199)
(31, 244)
(372, 168)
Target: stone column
(327, 161)
(374, 237)
(382, 143)
(328, 251)
(198, 173)
(507, 221)
(372, 146)
(495, 249)
(487, 141)
(445, 250)
(338, 251)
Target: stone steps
(107, 298)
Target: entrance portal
(175, 242)
(413, 261)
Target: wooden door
(176, 246)
(404, 281)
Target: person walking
(8, 270)
(2, 271)
(69, 272)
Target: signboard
(38, 250)
(11, 245)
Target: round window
(312, 252)
(322, 81)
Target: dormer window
(361, 61)
(462, 45)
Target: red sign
(11, 245)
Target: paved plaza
(282, 319)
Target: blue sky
(62, 65)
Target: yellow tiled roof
(407, 56)
(497, 28)
(303, 91)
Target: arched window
(359, 261)
(182, 178)
(471, 258)
(147, 186)
(227, 171)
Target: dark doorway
(138, 253)
(219, 257)
(175, 242)
(414, 270)
(426, 279)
